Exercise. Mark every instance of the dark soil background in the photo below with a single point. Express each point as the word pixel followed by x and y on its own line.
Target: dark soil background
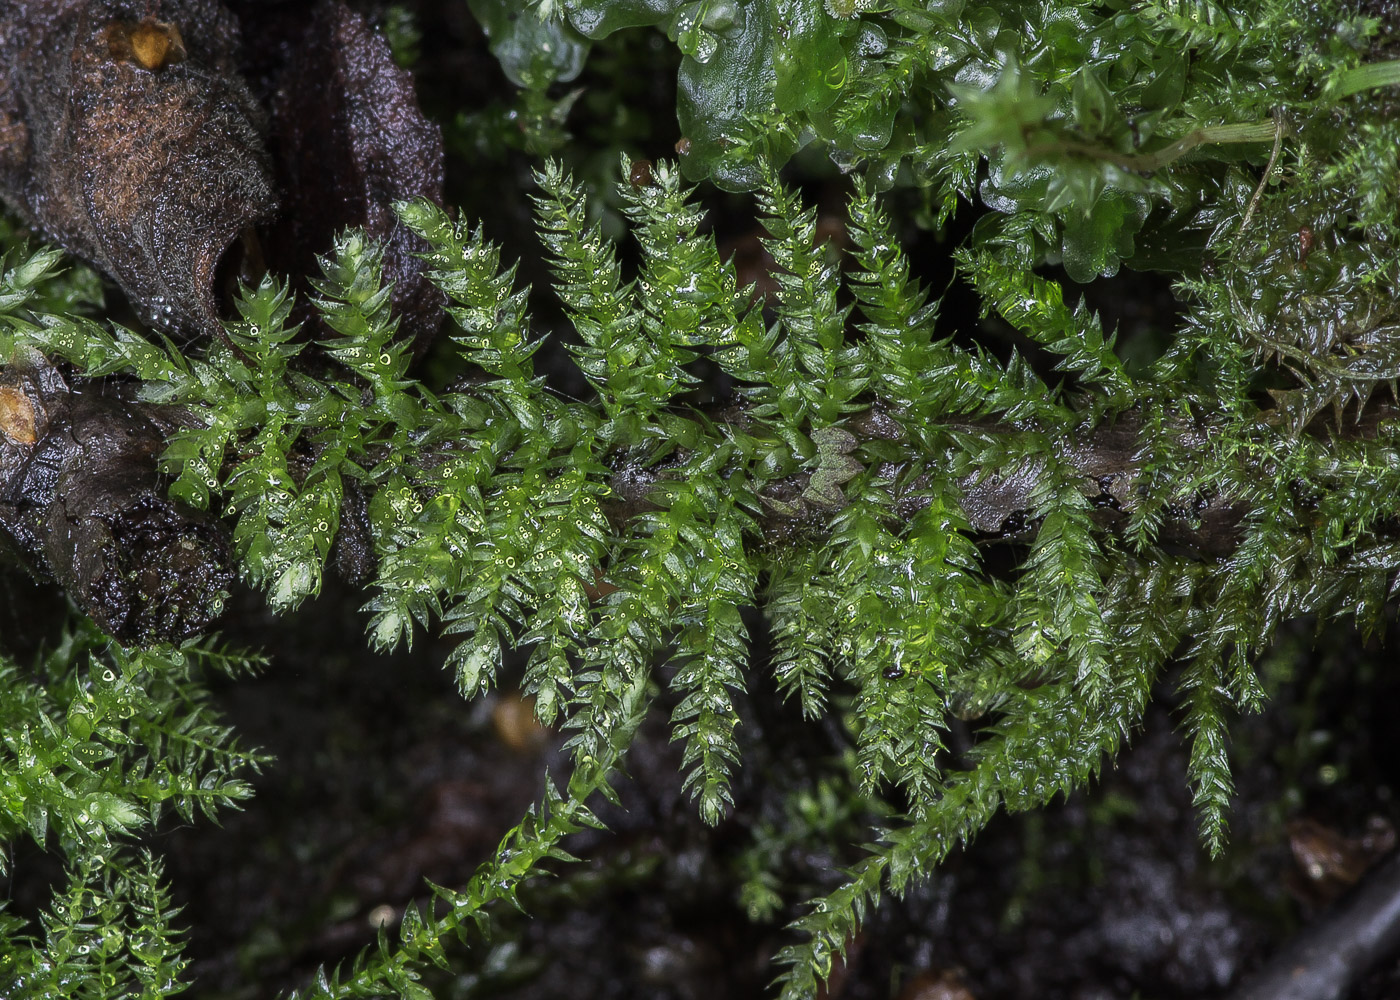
pixel 384 777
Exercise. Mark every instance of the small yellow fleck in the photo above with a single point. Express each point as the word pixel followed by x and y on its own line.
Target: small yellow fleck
pixel 151 44
pixel 17 419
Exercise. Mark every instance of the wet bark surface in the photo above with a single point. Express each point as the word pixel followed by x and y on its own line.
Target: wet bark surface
pixel 349 141
pixel 130 135
pixel 83 503
pixel 131 139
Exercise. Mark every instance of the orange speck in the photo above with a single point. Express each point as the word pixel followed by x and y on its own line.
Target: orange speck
pixel 155 43
pixel 514 719
pixel 151 44
pixel 17 416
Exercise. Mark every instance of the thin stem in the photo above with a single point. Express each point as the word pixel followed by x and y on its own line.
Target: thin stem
pixel 1268 169
pixel 518 860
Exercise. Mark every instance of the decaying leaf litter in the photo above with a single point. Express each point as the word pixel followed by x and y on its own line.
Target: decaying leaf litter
pixel 181 147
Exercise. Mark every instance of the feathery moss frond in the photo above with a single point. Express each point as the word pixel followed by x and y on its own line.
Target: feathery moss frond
pixel 934 530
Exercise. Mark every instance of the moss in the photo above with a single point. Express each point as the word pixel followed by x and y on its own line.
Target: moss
pixel 979 565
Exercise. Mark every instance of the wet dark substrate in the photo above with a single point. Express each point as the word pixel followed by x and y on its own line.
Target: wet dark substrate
pixel 385 777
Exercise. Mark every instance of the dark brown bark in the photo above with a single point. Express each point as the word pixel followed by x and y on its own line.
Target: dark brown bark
pixel 146 160
pixel 129 135
pixel 349 141
pixel 82 500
